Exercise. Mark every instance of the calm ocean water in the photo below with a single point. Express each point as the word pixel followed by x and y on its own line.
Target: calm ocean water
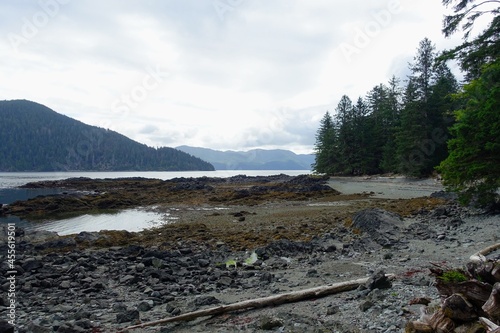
pixel 129 219
pixel 13 179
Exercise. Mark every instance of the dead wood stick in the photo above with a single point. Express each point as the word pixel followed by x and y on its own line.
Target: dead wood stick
pixel 491 326
pixel 481 255
pixel 290 297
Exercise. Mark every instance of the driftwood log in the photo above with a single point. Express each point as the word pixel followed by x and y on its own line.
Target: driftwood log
pixel 471 298
pixel 290 297
pixel 492 305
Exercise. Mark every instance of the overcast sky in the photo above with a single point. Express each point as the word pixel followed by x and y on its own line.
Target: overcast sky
pixel 221 74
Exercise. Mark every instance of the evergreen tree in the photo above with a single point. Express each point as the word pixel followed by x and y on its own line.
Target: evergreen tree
pixel 363 158
pixel 422 68
pixel 423 129
pixel 384 119
pixel 344 119
pixel 324 148
pixel 481 50
pixel 473 165
pixel 411 133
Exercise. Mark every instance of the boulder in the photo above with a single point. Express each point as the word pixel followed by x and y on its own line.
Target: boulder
pixel 381 226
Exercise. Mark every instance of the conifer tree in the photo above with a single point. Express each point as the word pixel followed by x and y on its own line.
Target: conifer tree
pixel 325 147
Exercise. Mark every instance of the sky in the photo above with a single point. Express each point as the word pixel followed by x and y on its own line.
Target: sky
pixel 219 74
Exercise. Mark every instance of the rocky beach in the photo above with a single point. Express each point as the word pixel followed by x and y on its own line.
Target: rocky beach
pixel 236 239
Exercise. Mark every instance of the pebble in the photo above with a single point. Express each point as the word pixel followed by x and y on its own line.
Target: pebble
pixel 109 289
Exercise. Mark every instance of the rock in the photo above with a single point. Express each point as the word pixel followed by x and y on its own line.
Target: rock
pixel 67 328
pixel 365 305
pixel 35 328
pixel 382 226
pixel 57 244
pixel 378 281
pixel 205 300
pixel 332 309
pixel 5 327
pixel 128 279
pixel 269 323
pixel 139 267
pixel 85 236
pixel 445 195
pixel 119 307
pixel 145 305
pixel 32 264
pixel 312 273
pixel 127 316
pixel 65 285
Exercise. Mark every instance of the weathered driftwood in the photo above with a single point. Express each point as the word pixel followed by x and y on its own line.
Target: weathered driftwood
pixel 492 305
pixel 466 301
pixel 480 256
pixel 418 327
pixel 474 291
pixel 485 271
pixel 491 326
pixel 266 301
pixel 440 322
pixel 457 307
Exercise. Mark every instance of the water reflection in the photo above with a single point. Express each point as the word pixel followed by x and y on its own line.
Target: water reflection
pixel 129 219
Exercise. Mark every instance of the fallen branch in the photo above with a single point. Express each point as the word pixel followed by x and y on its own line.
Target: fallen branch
pixel 481 255
pixel 265 301
pixel 491 326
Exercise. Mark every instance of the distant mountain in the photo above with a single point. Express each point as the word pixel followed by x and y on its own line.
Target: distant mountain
pixel 256 159
pixel 36 138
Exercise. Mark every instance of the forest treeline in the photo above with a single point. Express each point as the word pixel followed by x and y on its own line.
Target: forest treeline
pixel 428 122
pixel 392 129
pixel 36 138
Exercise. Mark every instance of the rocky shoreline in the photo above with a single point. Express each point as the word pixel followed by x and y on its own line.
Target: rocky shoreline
pixel 259 246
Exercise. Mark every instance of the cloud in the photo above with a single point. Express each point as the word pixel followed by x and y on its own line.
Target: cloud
pixel 245 75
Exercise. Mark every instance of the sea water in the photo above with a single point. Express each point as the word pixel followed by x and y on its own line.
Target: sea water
pixel 128 219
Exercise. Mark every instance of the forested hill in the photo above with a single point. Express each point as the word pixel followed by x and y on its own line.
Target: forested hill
pixel 255 159
pixel 36 138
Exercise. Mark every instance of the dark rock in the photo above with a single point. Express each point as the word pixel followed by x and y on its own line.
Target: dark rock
pixel 35 328
pixel 127 316
pixel 85 236
pixel 445 195
pixel 32 264
pixel 378 281
pixel 84 323
pixel 5 327
pixel 145 305
pixel 332 309
pixel 382 226
pixel 312 273
pixel 270 323
pixel 203 262
pixel 205 300
pixel 66 328
pixel 57 244
pixel 365 305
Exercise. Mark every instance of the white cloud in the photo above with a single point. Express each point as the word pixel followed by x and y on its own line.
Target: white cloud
pixel 259 74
